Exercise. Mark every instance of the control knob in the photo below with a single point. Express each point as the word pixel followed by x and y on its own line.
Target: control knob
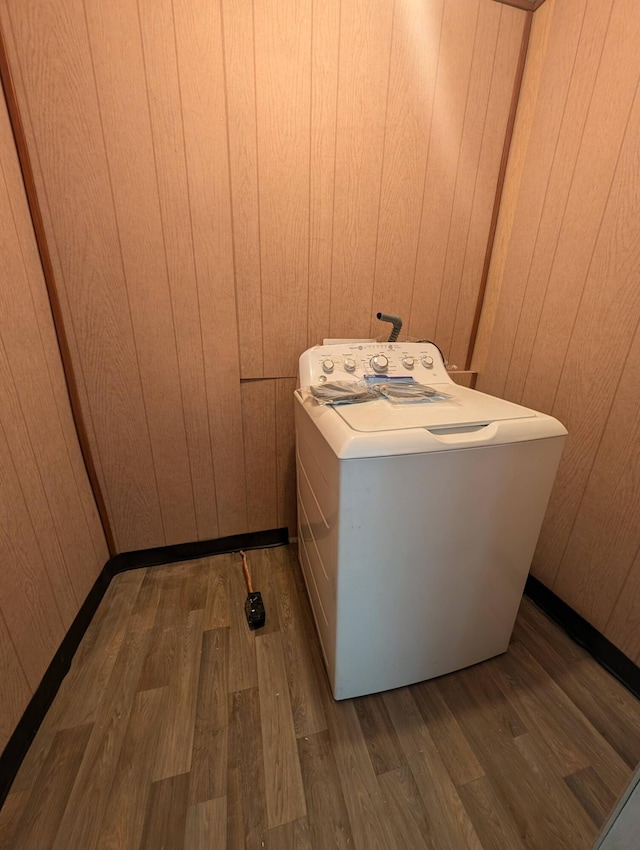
pixel 427 362
pixel 327 365
pixel 349 365
pixel 408 362
pixel 379 363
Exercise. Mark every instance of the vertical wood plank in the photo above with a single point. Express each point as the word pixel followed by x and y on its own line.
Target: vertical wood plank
pixel 454 749
pixel 82 567
pixel 379 733
pixel 587 58
pixel 240 80
pixel 290 836
pixel 623 624
pixel 52 542
pixel 404 805
pixel 527 103
pixel 357 779
pixel 459 24
pixel 283 70
pixel 32 475
pixel 592 794
pixel 10 815
pixel 167 126
pixel 580 826
pixel 609 300
pixel 40 821
pixel 69 694
pixel 490 817
pixel 216 614
pixel 325 46
pixel 415 51
pixel 118 65
pixel 175 748
pixel 124 815
pixel 483 58
pixel 51 46
pixel 166 816
pixel 15 692
pixel 610 106
pixel 198 33
pixel 363 82
pixel 283 782
pixel 208 775
pixel 481 73
pixel 206 825
pixel 41 299
pixel 75 540
pixel 247 813
pixel 285 455
pixel 82 819
pixel 26 597
pixel 93 672
pixel 557 65
pixel 434 783
pixel 604 541
pixel 259 432
pixel 305 672
pixel 328 819
pixel 485 181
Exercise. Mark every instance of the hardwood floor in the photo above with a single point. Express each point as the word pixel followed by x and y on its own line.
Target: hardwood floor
pixel 177 727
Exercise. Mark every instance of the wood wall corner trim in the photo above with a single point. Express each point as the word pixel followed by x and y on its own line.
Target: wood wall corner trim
pixel 517 86
pixel 525 5
pixel 38 227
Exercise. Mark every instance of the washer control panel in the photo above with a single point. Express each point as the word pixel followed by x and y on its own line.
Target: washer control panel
pixel 421 361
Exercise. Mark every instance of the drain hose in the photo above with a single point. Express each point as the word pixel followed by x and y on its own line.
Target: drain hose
pixel 396 321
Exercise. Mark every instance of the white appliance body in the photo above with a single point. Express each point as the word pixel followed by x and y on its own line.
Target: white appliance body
pixel 417 523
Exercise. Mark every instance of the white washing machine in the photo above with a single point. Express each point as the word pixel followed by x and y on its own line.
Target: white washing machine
pixel 417 522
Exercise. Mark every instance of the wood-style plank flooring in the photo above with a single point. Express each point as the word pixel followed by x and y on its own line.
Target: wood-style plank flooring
pixel 177 728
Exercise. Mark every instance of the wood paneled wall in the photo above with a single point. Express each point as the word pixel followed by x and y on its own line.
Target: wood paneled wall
pixel 52 547
pixel 225 183
pixel 560 327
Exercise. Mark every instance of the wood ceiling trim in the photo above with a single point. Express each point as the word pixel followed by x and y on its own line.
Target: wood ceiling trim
pixel 527 5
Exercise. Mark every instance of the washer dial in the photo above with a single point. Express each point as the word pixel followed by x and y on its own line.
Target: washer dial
pixel 327 365
pixel 379 363
pixel 408 362
pixel 349 364
pixel 427 362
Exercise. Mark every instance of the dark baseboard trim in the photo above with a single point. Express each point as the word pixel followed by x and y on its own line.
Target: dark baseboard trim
pixel 583 633
pixel 40 702
pixel 24 733
pixel 198 549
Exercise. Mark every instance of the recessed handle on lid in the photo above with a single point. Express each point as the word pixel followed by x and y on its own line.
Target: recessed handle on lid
pixel 478 433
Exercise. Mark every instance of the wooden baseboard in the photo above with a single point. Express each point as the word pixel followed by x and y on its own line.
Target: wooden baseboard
pixel 24 733
pixel 586 635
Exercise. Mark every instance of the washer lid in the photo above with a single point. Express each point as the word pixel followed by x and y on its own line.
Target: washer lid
pixel 467 407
